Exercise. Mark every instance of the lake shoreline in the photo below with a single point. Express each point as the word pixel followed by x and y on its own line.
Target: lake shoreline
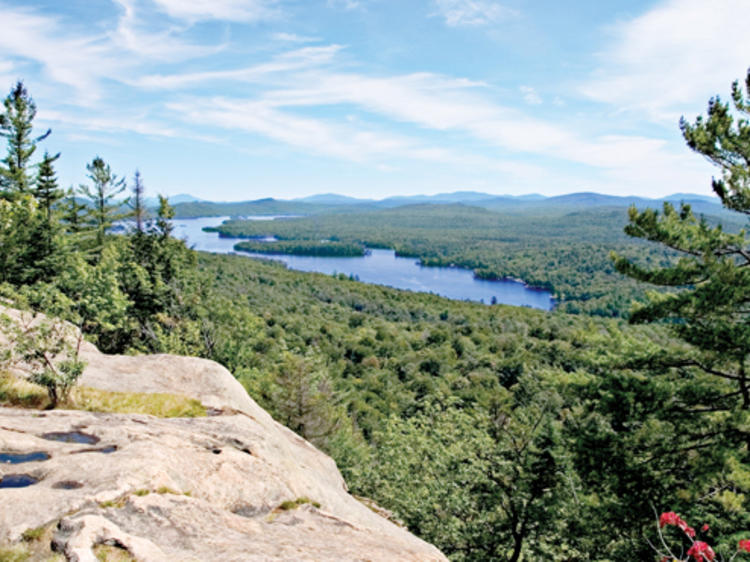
pixel 377 266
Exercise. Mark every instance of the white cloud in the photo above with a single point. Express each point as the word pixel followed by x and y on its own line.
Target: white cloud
pixel 447 104
pixel 132 35
pixel 298 59
pixel 115 124
pixel 134 123
pixel 524 145
pixel 76 61
pixel 343 140
pixel 670 60
pixel 473 12
pixel 429 101
pixel 530 95
pixel 314 135
pixel 227 10
pixel 293 38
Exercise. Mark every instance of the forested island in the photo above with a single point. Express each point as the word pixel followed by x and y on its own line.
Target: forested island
pixel 323 248
pixel 495 433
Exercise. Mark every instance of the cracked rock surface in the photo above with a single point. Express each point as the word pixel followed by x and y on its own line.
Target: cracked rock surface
pixel 186 489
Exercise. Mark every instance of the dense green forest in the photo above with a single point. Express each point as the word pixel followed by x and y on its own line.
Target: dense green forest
pixel 496 433
pixel 321 248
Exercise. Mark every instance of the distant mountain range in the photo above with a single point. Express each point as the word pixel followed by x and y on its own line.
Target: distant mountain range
pixel 397 201
pixel 189 206
pixel 173 200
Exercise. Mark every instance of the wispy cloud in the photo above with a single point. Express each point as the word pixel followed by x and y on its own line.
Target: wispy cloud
pixel 312 135
pixel 669 60
pixel 133 35
pixel 227 10
pixel 530 95
pixel 357 142
pixel 442 103
pixel 75 61
pixel 428 101
pixel 293 38
pixel 299 59
pixel 82 60
pixel 473 12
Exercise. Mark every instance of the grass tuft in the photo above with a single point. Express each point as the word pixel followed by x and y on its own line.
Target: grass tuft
pixel 35 545
pixel 159 405
pixel 118 503
pixel 294 504
pixel 109 553
pixel 30 535
pixel 16 553
pixel 17 392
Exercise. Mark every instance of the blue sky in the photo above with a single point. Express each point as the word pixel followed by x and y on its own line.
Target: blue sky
pixel 242 99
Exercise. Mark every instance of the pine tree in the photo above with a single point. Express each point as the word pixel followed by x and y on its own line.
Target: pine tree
pixel 16 125
pixel 138 204
pixel 47 194
pixel 74 213
pixel 164 215
pixel 709 306
pixel 106 186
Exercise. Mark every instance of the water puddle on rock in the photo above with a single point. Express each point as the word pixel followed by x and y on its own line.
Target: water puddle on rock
pixel 18 458
pixel 17 481
pixel 106 450
pixel 71 437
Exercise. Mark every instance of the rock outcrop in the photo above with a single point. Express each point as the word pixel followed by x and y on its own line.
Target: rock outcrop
pixel 232 486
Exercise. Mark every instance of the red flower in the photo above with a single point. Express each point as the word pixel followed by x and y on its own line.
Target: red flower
pixel 705 527
pixel 701 552
pixel 744 545
pixel 689 531
pixel 669 518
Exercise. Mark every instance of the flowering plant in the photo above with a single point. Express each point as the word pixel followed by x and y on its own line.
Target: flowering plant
pixel 699 551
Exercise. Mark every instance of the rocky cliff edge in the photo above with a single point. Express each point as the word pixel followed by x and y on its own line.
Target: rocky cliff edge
pixel 232 486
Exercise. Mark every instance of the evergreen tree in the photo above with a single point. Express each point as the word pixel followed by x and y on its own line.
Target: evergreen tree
pixel 163 217
pixel 19 223
pixel 16 125
pixel 138 204
pixel 304 399
pixel 106 186
pixel 73 213
pixel 709 305
pixel 47 195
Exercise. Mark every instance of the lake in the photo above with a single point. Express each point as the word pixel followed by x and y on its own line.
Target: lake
pixel 380 267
